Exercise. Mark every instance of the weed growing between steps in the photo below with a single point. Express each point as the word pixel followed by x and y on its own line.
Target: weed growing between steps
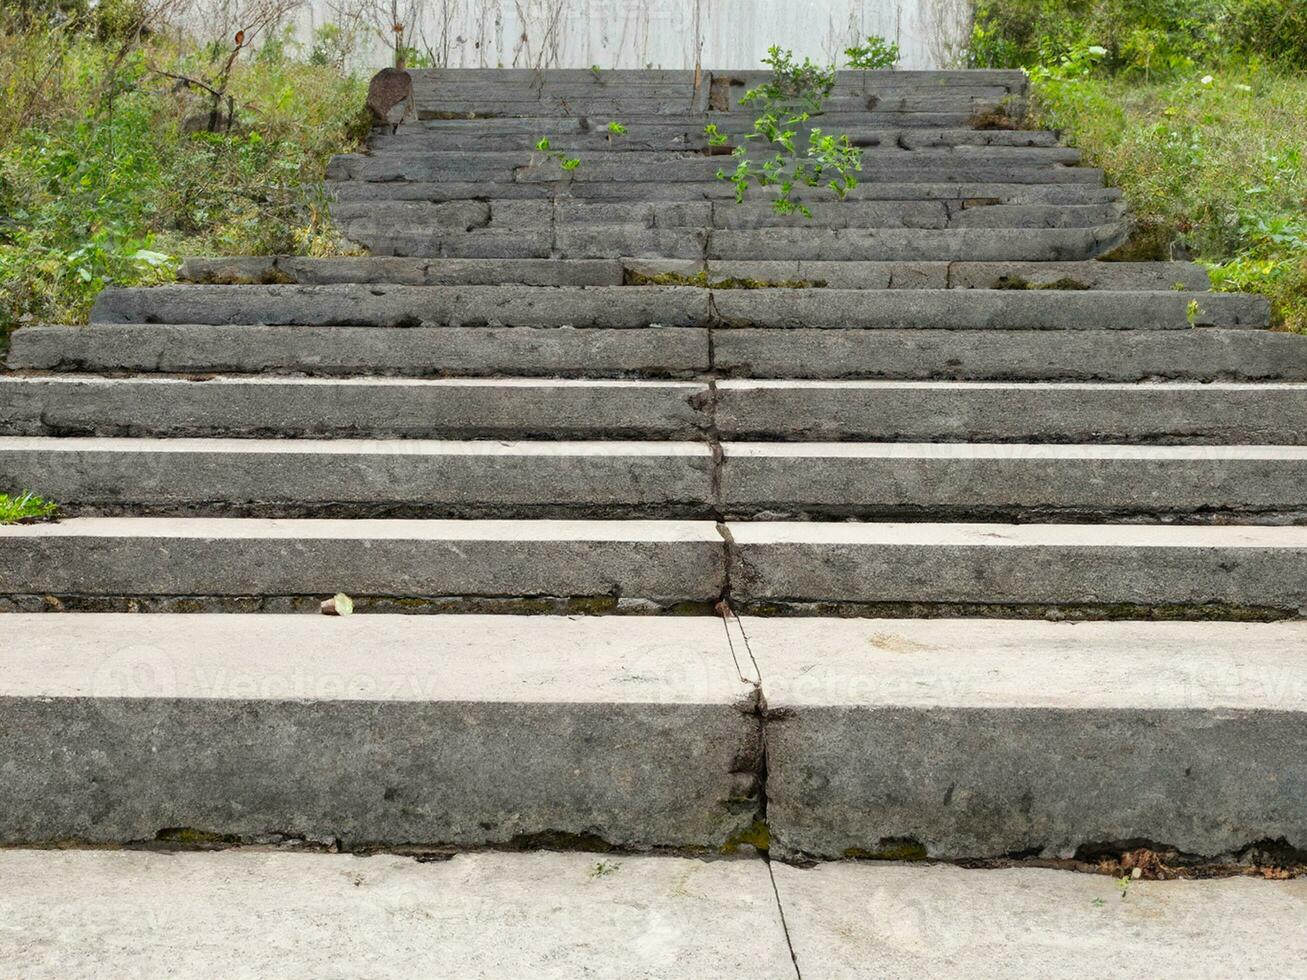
pixel 26 508
pixel 109 167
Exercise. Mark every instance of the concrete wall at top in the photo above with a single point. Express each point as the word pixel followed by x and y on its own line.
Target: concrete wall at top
pixel 653 33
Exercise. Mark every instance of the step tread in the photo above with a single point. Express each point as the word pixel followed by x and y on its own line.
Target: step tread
pixel 1002 536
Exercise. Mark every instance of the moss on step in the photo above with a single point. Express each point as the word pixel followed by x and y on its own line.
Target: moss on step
pixel 702 280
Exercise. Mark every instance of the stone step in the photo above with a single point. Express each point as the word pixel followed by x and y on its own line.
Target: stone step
pixel 988 355
pixel 627 307
pixel 333 408
pixel 109 563
pixel 988 481
pixel 437 79
pixel 366 478
pixel 559 915
pixel 1215 413
pixel 615 272
pixel 571 134
pixel 970 739
pixel 668 352
pixel 607 479
pixel 661 352
pixel 384 730
pixel 1110 570
pixel 578 241
pixel 365 221
pixel 900 166
pixel 712 190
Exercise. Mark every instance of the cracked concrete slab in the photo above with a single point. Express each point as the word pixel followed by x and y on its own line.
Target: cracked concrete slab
pixel 486 915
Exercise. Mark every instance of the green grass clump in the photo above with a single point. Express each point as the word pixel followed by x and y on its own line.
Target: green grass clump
pixel 1213 166
pixel 108 174
pixel 26 508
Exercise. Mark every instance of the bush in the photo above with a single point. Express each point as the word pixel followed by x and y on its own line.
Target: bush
pixel 107 174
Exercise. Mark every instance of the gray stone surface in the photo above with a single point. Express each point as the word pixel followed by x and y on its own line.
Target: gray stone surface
pixel 375 730
pixel 950 411
pixel 1037 565
pixel 413 272
pixel 664 562
pixel 912 244
pixel 986 481
pixel 891 920
pixel 411 351
pixel 351 407
pixel 544 915
pixel 987 309
pixel 1092 275
pixel 988 738
pixel 405 306
pixel 357 477
pixel 1010 355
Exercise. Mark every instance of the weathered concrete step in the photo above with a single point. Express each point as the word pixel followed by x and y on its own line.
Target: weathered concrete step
pixel 992 739
pixel 411 564
pixel 614 272
pixel 917 166
pixel 566 133
pixel 385 730
pixel 950 411
pixel 712 190
pixel 561 915
pixel 364 478
pixel 997 481
pixel 354 407
pixel 362 221
pixel 436 79
pixel 579 241
pixel 661 352
pixel 1108 570
pixel 1008 355
pixel 677 306
pixel 980 107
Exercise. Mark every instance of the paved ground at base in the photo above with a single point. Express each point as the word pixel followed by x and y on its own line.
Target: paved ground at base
pixel 261 913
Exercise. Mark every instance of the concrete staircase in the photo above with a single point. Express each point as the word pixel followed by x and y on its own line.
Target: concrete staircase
pixel 616 391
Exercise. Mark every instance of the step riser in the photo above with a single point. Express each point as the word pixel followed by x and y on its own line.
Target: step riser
pixel 505 485
pixel 1101 580
pixel 640 306
pixel 1159 415
pixel 671 352
pixel 614 272
pixel 568 135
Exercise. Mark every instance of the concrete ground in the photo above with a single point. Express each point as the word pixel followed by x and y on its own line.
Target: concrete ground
pixel 266 913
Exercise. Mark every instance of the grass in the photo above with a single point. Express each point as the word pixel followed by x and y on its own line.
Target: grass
pixel 1213 165
pixel 26 508
pixel 104 178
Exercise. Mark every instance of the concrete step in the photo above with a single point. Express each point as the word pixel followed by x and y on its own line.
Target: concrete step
pixel 1008 355
pixel 562 915
pixel 244 270
pixel 355 407
pixel 606 479
pixel 987 481
pixel 1099 570
pixel 677 306
pixel 190 564
pixel 662 352
pixel 924 166
pixel 1214 413
pixel 996 739
pixel 364 220
pixel 365 478
pixel 794 410
pixel 383 730
pixel 711 190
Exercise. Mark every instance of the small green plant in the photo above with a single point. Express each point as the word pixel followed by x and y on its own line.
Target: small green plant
pixel 567 163
pixel 26 508
pixel 1191 312
pixel 615 128
pixel 785 104
pixel 603 869
pixel 876 53
pixel 1123 884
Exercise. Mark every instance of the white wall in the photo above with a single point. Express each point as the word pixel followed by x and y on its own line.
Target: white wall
pixel 657 33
